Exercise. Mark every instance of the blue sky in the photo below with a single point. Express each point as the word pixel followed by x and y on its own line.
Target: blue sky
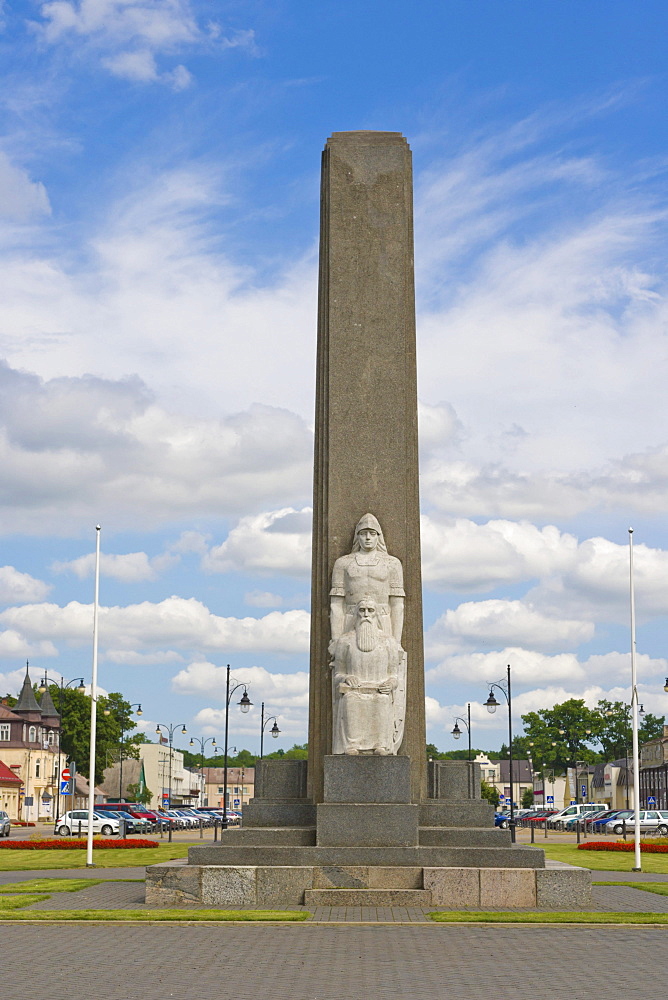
pixel 159 173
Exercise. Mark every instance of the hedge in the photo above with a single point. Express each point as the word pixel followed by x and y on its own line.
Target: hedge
pixel 620 845
pixel 75 844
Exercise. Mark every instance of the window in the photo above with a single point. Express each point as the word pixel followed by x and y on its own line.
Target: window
pixel 51 738
pixel 32 734
pixel 221 790
pixel 38 767
pixel 5 731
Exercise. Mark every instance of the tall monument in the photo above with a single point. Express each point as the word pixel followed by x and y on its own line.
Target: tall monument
pixel 366 447
pixel 366 820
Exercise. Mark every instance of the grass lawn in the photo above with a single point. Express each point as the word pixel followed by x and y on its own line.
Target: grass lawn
pixel 467 917
pixel 29 860
pixel 50 885
pixel 660 888
pixel 293 916
pixel 16 902
pixel 610 861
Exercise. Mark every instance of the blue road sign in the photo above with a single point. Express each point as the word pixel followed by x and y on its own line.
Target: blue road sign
pixel 550 798
pixel 651 801
pixel 236 803
pixel 65 788
pixel 583 790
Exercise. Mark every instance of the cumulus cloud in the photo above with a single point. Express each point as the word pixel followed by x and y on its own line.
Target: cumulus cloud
pixel 499 622
pixel 17 587
pixel 277 541
pixel 21 199
pixel 14 645
pixel 72 445
pixel 127 35
pixel 173 623
pixel 531 667
pixel 263 599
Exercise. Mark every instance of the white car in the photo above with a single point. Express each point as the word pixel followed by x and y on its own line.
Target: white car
pixel 77 820
pixel 650 819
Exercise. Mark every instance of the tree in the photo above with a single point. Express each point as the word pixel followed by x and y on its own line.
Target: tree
pixel 490 793
pixel 616 730
pixel 527 799
pixel 140 795
pixel 112 729
pixel 562 735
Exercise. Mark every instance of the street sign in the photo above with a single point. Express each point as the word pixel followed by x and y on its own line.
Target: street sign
pixel 65 788
pixel 583 790
pixel 66 774
pixel 651 801
pixel 502 798
pixel 236 803
pixel 550 798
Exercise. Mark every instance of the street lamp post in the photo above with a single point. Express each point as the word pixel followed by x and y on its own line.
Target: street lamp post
pixel 202 743
pixel 171 730
pixel 81 688
pixel 244 704
pixel 456 732
pixel 275 731
pixel 491 705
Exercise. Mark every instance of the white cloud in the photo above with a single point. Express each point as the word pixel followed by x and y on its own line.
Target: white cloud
pixel 500 622
pixel 174 623
pixel 263 599
pixel 129 568
pixel 277 541
pixel 21 198
pixel 13 645
pixel 463 555
pixel 72 445
pixel 531 667
pixel 18 588
pixel 133 32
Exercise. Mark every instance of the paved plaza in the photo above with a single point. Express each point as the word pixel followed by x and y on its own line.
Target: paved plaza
pixel 316 962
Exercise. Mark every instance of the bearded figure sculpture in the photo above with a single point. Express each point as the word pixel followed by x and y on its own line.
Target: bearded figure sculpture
pixel 369 664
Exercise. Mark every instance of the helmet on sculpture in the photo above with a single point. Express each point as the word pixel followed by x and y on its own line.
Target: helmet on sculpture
pixel 369 522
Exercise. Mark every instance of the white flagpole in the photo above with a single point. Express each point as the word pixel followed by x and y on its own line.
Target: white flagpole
pixel 93 708
pixel 634 716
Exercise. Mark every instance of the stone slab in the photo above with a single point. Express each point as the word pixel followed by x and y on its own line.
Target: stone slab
pixel 367 877
pixel 395 878
pixel 280 779
pixel 367 779
pixel 507 887
pixel 462 813
pixel 367 897
pixel 563 888
pixel 437 836
pixel 274 813
pixel 423 857
pixel 228 886
pixel 263 835
pixel 454 887
pixel 340 824
pixel 282 886
pixel 453 779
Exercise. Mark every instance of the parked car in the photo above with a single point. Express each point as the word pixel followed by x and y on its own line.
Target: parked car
pixel 500 820
pixel 5 824
pixel 580 809
pixel 650 819
pixel 136 811
pixel 77 819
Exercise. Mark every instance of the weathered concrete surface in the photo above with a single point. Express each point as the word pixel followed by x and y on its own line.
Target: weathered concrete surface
pixel 507 887
pixel 366 779
pixel 430 857
pixel 563 888
pixel 462 813
pixel 342 824
pixel 366 457
pixel 453 887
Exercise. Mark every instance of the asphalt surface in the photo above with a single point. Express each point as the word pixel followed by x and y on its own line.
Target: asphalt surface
pixel 316 962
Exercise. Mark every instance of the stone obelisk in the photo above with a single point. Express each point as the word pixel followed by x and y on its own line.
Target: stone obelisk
pixel 366 447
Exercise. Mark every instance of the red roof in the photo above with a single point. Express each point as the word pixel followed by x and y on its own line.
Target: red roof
pixel 8 777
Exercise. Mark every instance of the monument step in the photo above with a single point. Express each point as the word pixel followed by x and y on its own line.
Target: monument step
pixel 422 857
pixel 448 836
pixel 367 897
pixel 259 836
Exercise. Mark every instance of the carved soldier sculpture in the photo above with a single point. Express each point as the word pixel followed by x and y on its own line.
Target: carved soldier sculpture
pixel 369 665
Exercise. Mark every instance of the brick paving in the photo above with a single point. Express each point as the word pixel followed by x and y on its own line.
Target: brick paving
pixel 307 962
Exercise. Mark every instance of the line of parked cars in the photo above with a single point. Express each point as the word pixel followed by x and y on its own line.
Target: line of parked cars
pixel 595 819
pixel 109 816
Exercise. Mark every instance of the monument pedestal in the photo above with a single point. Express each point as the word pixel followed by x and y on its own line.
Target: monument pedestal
pixel 367 847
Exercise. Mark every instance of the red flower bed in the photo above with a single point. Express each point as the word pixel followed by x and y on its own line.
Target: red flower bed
pixel 68 844
pixel 620 845
pixel 21 822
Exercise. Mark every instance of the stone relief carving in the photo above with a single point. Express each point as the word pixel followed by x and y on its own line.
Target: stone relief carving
pixel 369 664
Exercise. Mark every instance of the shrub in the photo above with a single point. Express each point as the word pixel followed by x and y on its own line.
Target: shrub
pixel 72 844
pixel 623 845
